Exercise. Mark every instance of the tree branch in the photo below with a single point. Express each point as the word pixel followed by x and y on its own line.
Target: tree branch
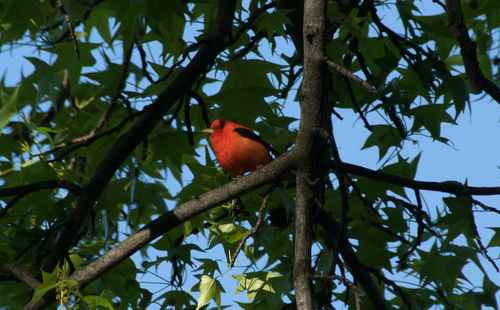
pixel 478 82
pixel 467 46
pixel 18 272
pixel 71 28
pixel 351 76
pixel 451 187
pixel 170 220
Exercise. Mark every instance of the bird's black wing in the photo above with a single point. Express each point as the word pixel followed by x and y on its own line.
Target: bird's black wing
pixel 251 135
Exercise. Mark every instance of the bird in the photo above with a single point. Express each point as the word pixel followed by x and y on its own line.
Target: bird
pixel 238 149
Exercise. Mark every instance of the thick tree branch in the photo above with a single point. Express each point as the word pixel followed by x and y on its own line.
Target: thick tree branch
pixel 478 82
pixel 131 139
pixel 312 149
pixel 467 46
pixel 177 216
pixel 18 272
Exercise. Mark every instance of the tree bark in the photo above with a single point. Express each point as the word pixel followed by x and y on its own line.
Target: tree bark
pixel 312 149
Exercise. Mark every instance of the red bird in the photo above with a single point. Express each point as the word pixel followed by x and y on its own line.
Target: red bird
pixel 238 149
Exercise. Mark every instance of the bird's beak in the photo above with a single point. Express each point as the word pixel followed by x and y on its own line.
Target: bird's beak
pixel 207 130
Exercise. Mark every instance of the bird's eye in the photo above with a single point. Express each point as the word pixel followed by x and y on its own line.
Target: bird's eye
pixel 219 126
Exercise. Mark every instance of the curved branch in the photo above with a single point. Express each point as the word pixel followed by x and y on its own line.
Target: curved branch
pixel 180 214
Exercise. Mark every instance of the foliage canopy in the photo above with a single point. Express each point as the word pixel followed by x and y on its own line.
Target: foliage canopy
pixel 94 140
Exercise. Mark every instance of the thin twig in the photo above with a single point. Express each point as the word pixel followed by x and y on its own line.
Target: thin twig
pixel 485 252
pixel 88 139
pixel 23 190
pixel 348 74
pixel 420 230
pixel 103 122
pixel 485 207
pixel 171 70
pixel 337 114
pixel 413 210
pixel 254 229
pixel 386 230
pixel 187 120
pixel 344 194
pixel 41 185
pixel 70 27
pixel 253 41
pixel 291 78
pixel 355 104
pixel 43 236
pixel 144 63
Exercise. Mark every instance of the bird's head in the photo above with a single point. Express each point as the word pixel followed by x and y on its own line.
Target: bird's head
pixel 217 127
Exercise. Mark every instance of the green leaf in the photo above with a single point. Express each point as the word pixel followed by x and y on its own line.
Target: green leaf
pixel 383 137
pixel 443 269
pixel 95 301
pixel 178 299
pixel 458 89
pixel 99 18
pixel 8 106
pixel 430 117
pixel 67 59
pixel 43 288
pixel 248 81
pixel 209 289
pixel 495 240
pixel 253 282
pixel 209 266
pixel 273 22
pixel 45 77
pixel 460 220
